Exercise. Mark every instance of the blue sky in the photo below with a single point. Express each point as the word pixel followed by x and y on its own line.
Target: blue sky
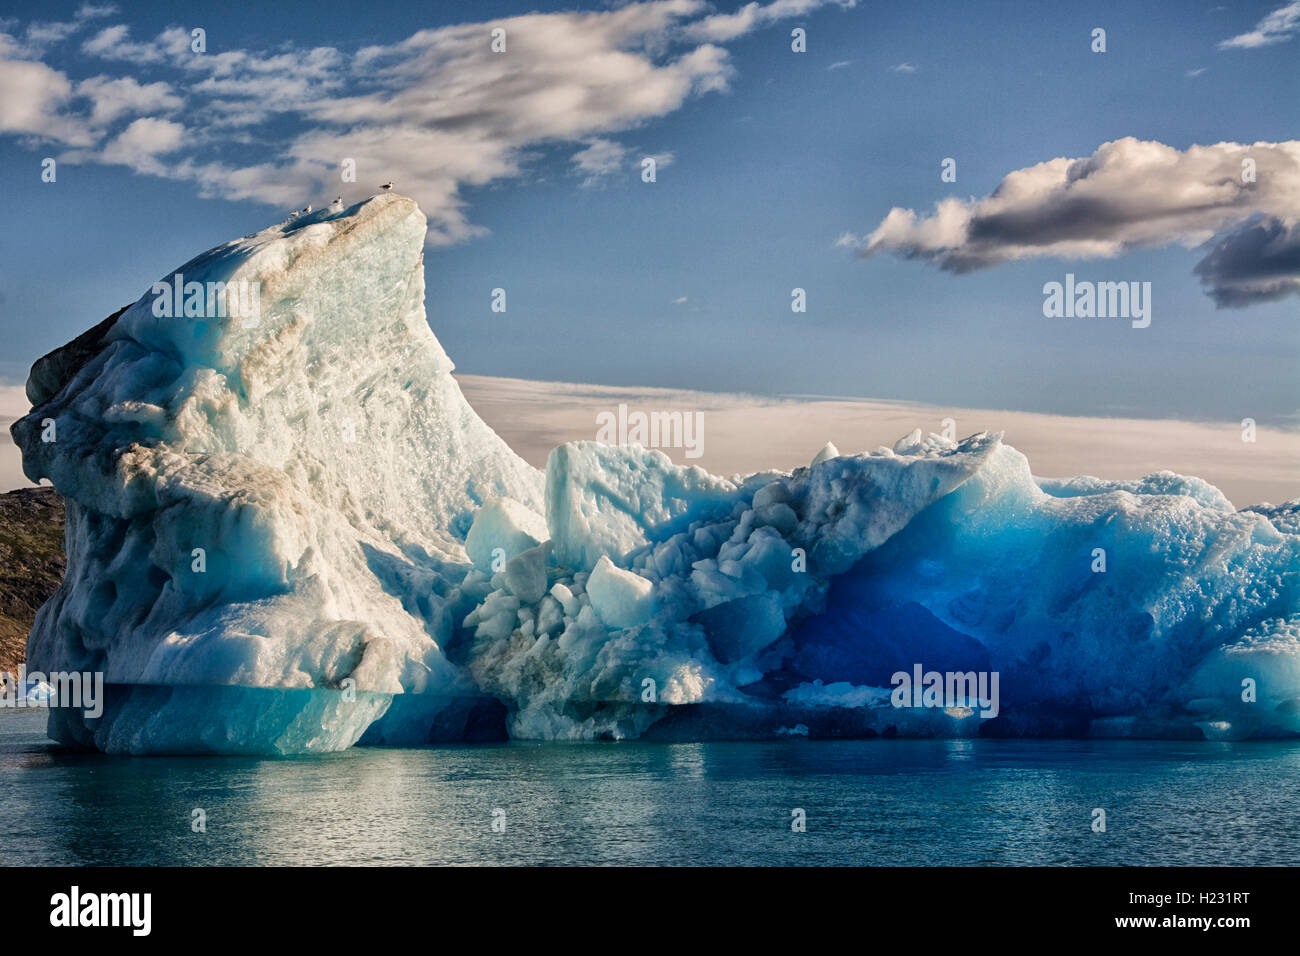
pixel 686 282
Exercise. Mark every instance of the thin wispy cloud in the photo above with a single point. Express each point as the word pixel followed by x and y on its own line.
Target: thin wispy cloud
pixel 598 160
pixel 903 68
pixel 661 159
pixel 1278 27
pixel 722 27
pixel 749 433
pixel 39 35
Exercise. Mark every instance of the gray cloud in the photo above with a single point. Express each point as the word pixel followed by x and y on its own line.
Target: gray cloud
pixel 1130 194
pixel 1259 262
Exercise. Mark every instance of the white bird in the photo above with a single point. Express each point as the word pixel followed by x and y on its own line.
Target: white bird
pixel 386 186
pixel 337 204
pixel 293 215
pixel 307 210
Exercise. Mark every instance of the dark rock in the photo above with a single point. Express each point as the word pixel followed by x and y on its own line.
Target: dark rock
pixel 55 369
pixel 31 564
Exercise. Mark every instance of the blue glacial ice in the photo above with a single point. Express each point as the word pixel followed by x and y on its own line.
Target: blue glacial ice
pixel 293 534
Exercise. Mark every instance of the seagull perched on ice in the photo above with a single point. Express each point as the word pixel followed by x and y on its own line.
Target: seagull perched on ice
pixel 293 215
pixel 386 186
pixel 307 210
pixel 337 204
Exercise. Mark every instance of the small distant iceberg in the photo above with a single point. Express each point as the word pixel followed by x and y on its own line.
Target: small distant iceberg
pixel 25 693
pixel 291 534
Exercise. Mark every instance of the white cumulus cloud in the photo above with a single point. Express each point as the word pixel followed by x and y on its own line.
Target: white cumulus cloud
pixel 437 112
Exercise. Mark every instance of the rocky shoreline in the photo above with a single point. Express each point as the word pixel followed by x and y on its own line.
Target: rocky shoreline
pixel 31 564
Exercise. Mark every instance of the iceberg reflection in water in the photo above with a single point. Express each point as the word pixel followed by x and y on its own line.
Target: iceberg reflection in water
pixel 880 802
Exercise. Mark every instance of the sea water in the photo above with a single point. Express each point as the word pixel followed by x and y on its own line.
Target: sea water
pixel 875 802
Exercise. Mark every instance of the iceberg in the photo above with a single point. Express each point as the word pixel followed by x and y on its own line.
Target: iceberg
pixel 278 503
pixel 288 532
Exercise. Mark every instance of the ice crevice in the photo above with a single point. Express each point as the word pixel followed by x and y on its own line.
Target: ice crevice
pixel 293 535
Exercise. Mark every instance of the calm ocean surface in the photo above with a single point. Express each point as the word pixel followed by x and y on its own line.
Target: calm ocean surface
pixel 881 802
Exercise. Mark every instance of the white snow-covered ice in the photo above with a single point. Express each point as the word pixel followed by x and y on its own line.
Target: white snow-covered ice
pixel 293 534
